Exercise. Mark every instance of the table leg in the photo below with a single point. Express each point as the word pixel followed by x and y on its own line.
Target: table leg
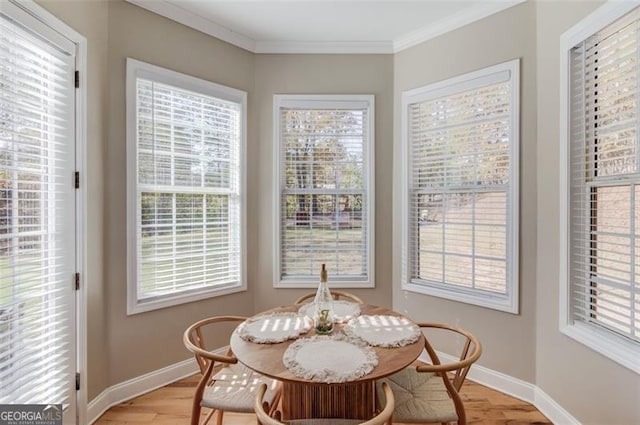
pixel 348 401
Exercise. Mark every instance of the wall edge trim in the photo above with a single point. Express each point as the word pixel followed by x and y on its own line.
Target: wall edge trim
pixel 499 381
pixel 517 388
pixel 142 384
pixel 552 410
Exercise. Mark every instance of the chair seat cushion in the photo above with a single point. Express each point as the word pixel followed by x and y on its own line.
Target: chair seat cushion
pixel 234 389
pixel 419 397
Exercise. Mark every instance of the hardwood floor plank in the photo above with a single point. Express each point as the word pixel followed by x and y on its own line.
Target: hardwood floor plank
pixel 171 405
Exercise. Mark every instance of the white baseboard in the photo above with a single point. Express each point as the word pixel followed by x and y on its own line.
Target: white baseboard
pixel 488 377
pixel 553 410
pixel 514 387
pixel 142 384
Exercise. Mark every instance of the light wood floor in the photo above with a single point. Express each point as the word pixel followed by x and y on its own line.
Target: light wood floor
pixel 171 405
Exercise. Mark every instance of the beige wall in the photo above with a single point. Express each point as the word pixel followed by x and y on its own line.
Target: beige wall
pixel 527 346
pixel 594 389
pixel 322 74
pixel 145 342
pixel 90 19
pixel 508 340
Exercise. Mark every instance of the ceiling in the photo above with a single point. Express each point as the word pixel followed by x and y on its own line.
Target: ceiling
pixel 325 26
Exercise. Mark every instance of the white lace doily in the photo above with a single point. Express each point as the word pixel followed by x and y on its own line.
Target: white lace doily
pixel 330 359
pixel 273 328
pixel 342 310
pixel 383 331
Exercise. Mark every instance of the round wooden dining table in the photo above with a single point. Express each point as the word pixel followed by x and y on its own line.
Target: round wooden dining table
pixel 305 399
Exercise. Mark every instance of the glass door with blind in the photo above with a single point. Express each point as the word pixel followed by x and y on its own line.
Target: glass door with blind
pixel 37 213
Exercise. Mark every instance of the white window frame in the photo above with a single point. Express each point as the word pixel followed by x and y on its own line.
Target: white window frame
pixel 324 101
pixel 510 302
pixel 615 347
pixel 41 16
pixel 137 69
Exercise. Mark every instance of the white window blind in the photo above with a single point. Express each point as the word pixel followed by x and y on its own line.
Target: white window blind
pixel 188 189
pixel 604 219
pixel 325 189
pixel 37 212
pixel 461 234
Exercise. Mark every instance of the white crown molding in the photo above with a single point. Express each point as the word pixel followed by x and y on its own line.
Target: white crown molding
pixel 190 19
pixel 321 47
pixel 480 11
pixel 171 11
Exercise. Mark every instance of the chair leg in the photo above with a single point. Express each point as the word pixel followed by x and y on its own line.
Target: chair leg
pixel 209 416
pixel 195 413
pixel 274 406
pixel 219 417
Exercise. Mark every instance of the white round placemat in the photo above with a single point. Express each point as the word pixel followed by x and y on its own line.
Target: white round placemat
pixel 273 328
pixel 330 359
pixel 342 310
pixel 383 331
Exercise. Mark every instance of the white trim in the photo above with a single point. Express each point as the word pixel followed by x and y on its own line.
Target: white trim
pixel 66 34
pixel 136 69
pixel 82 240
pixel 552 410
pixel 471 14
pixel 174 12
pixel 509 385
pixel 324 47
pixel 325 101
pixel 470 296
pixel 610 345
pixel 135 387
pixel 616 348
pixel 506 71
pixel 499 381
pixel 514 387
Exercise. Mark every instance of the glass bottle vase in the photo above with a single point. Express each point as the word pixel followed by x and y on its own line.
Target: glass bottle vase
pixel 323 317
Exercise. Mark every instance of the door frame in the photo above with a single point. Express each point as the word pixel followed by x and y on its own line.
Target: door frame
pixel 80 41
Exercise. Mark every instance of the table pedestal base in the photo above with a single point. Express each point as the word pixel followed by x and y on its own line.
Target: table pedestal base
pixel 348 401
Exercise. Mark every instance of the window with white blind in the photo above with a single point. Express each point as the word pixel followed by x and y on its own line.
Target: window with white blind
pixel 37 212
pixel 460 141
pixel 601 201
pixel 185 175
pixel 324 189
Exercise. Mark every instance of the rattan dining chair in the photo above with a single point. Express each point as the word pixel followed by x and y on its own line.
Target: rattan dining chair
pixel 233 387
pixel 265 417
pixel 430 393
pixel 337 295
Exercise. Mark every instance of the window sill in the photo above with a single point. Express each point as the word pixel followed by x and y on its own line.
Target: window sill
pixel 136 306
pixel 466 296
pixel 313 284
pixel 619 349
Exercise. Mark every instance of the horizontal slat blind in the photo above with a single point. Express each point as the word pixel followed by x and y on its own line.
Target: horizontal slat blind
pixel 37 218
pixel 188 150
pixel 324 193
pixel 459 177
pixel 605 184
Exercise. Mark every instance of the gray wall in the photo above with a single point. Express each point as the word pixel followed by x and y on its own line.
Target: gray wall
pixel 508 340
pixel 593 388
pixel 322 74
